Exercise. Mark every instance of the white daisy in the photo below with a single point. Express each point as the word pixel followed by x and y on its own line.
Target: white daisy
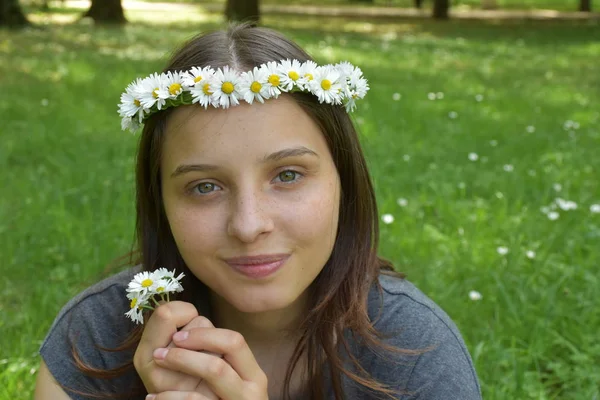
pixel 164 273
pixel 128 123
pixel 172 86
pixel 195 76
pixel 595 208
pixel 326 85
pixel 290 73
pixel 142 283
pixel 307 72
pixel 130 103
pixel 225 87
pixel 387 218
pixel 149 88
pixel 274 76
pixel 530 254
pixel 253 85
pixel 502 250
pixel 135 314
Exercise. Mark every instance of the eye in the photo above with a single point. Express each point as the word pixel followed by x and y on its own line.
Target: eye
pixel 205 188
pixel 289 176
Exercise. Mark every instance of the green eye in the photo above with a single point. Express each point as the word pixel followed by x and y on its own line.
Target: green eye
pixel 287 176
pixel 206 187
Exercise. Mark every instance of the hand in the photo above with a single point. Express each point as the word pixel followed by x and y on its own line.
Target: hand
pixel 158 333
pixel 236 376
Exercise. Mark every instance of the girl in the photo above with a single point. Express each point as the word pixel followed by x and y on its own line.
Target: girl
pixel 251 181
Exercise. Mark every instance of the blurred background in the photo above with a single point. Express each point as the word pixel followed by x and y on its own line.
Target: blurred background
pixel 481 129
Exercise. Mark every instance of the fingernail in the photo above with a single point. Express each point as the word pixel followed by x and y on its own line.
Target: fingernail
pixel 150 396
pixel 160 353
pixel 181 335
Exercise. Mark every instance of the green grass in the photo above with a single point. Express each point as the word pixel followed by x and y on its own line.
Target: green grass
pixel 67 173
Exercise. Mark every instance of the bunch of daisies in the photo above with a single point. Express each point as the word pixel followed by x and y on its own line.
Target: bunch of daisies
pixel 146 289
pixel 342 83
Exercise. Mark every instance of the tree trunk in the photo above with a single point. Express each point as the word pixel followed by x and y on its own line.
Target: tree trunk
pixel 489 4
pixel 440 9
pixel 106 11
pixel 243 11
pixel 418 4
pixel 585 5
pixel 11 14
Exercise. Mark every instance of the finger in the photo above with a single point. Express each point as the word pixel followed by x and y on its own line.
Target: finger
pixel 230 343
pixel 216 372
pixel 172 395
pixel 161 326
pixel 198 322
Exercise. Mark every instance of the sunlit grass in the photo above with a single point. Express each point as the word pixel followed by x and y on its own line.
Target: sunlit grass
pixel 471 130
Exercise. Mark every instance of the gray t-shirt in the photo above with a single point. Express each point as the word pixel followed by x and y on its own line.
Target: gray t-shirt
pixel 95 319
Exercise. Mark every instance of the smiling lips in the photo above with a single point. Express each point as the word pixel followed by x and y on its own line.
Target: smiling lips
pixel 259 266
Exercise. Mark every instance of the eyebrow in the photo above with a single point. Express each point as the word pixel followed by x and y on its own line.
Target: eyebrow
pixel 273 157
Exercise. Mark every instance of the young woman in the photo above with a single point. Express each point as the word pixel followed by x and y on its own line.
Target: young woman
pixel 252 182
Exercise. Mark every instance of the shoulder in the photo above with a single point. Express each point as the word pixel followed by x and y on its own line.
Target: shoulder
pixel 89 324
pixel 436 361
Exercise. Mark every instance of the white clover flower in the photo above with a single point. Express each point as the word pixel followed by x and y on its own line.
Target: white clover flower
pixel 406 157
pixel 439 95
pixel 530 254
pixel 387 218
pixel 473 156
pixel 557 187
pixel 402 202
pixel 566 205
pixel 197 76
pixel 273 82
pixel 530 129
pixel 478 98
pixel 502 250
pixel 453 115
pixel 224 86
pixel 326 85
pixel 508 167
pixel 148 91
pixel 173 85
pixel 253 85
pixel 493 143
pixel 475 295
pixel 396 96
pixel 595 208
pixel 553 215
pixel 431 96
pixel 291 74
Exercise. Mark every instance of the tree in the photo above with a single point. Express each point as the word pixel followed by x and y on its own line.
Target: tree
pixel 418 4
pixel 11 14
pixel 441 9
pixel 106 11
pixel 243 11
pixel 585 5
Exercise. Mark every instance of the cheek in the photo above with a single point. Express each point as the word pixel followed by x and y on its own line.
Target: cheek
pixel 192 230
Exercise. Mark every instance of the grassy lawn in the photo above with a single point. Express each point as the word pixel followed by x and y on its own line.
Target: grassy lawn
pixel 473 131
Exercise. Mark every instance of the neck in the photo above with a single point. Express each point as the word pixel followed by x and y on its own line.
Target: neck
pixel 263 329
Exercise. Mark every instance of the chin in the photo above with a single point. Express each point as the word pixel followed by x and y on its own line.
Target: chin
pixel 261 301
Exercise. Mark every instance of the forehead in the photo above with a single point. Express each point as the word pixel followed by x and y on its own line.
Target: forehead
pixel 245 129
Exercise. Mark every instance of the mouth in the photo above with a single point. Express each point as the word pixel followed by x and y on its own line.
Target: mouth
pixel 257 267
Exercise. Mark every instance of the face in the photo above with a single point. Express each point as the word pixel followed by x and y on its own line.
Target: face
pixel 250 180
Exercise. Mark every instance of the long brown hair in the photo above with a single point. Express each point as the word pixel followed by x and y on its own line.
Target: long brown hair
pixel 339 294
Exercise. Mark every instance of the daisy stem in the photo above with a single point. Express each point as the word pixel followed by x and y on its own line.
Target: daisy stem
pixel 155 301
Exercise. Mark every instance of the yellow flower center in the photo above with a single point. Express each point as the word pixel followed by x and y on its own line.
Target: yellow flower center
pixel 326 84
pixel 255 87
pixel 227 87
pixel 155 93
pixel 174 88
pixel 197 79
pixel 293 75
pixel 133 302
pixel 160 289
pixel 147 283
pixel 308 76
pixel 206 89
pixel 274 80
pixel 136 102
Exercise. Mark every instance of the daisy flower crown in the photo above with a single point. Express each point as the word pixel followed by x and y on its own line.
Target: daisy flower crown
pixel 342 83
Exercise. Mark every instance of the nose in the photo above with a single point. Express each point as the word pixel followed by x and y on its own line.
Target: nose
pixel 249 216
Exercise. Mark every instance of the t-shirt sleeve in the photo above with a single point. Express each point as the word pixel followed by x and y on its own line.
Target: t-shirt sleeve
pixel 89 324
pixel 442 369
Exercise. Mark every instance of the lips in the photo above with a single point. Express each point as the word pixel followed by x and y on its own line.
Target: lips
pixel 258 267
